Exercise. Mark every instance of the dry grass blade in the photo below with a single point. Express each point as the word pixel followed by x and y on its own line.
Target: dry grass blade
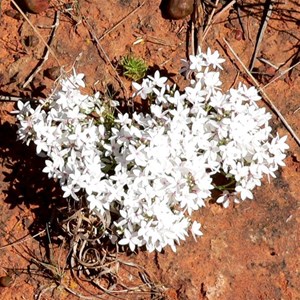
pixel 44 290
pixel 152 39
pixel 7 98
pixel 216 17
pixel 71 291
pixel 85 259
pixel 100 48
pixel 265 61
pixel 240 20
pixel 296 110
pixel 23 239
pixel 265 96
pixel 266 16
pixel 36 31
pixel 155 288
pixel 45 268
pixel 121 21
pixel 209 22
pixel 94 261
pixel 281 74
pixel 45 58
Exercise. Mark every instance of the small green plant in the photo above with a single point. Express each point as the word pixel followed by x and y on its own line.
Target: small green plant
pixel 133 67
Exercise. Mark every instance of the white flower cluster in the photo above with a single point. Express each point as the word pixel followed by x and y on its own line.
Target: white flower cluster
pixel 154 169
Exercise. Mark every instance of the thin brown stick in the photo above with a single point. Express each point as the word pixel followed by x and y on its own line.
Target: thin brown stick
pixel 268 63
pixel 100 48
pixel 240 20
pixel 71 291
pixel 296 110
pixel 265 96
pixel 36 31
pixel 194 51
pixel 45 58
pixel 209 22
pixel 120 22
pixel 5 98
pixel 216 17
pixel 192 38
pixel 151 39
pixel 22 240
pixel 280 75
pixel 235 78
pixel 262 29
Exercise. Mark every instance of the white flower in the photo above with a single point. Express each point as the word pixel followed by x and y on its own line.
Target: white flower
pixel 157 80
pixel 240 171
pixel 41 146
pixel 123 119
pixel 137 155
pixel 279 144
pixel 250 93
pixel 213 59
pixel 50 168
pixel 224 199
pixel 212 82
pixel 70 190
pixel 143 89
pixel 130 239
pixel 23 109
pixel 245 193
pixel 196 230
pixel 197 62
pixel 153 170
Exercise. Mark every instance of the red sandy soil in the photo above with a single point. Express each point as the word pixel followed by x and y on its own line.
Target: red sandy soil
pixel 249 251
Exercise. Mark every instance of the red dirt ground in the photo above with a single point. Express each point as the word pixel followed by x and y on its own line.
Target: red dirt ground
pixel 249 251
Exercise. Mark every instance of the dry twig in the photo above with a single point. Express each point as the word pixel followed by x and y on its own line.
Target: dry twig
pixel 120 22
pixel 268 63
pixel 6 98
pixel 101 50
pixel 45 58
pixel 266 16
pixel 265 96
pixel 22 240
pixel 240 20
pixel 91 262
pixel 216 17
pixel 36 31
pixel 209 22
pixel 281 74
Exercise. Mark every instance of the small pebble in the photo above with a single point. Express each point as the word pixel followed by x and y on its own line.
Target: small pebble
pixel 2 79
pixel 238 35
pixel 36 6
pixel 228 25
pixel 13 14
pixel 270 71
pixel 31 41
pixel 52 73
pixel 179 9
pixel 6 281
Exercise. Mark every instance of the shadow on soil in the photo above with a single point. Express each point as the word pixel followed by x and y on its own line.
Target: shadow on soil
pixel 28 185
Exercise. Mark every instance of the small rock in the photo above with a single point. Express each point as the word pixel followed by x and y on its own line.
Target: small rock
pixel 13 14
pixel 31 41
pixel 6 281
pixel 52 73
pixel 179 9
pixel 2 79
pixel 36 6
pixel 238 35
